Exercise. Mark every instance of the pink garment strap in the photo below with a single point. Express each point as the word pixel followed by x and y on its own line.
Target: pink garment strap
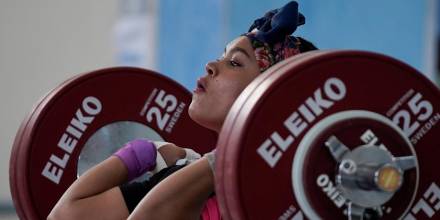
pixel 211 211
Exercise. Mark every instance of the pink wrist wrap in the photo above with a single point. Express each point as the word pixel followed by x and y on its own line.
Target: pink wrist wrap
pixel 139 156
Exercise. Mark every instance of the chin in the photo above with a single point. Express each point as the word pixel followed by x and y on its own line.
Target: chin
pixel 202 120
pixel 195 115
pixel 191 112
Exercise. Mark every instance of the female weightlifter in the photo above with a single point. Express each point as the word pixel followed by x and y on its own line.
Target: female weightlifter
pixel 184 191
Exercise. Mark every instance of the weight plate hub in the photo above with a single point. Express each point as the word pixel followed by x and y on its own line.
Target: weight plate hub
pixel 332 135
pixel 359 144
pixel 92 115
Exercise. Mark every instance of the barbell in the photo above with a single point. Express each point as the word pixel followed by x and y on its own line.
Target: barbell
pixel 322 135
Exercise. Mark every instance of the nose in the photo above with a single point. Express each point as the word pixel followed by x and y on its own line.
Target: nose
pixel 211 69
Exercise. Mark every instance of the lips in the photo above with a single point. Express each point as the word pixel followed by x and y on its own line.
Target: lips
pixel 201 86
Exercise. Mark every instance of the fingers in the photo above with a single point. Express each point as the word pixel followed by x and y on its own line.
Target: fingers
pixel 170 152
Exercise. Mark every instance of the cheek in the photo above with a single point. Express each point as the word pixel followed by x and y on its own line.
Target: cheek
pixel 215 104
pixel 235 89
pixel 230 92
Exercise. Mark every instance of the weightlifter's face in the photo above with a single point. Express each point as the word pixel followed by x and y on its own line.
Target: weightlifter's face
pixel 223 81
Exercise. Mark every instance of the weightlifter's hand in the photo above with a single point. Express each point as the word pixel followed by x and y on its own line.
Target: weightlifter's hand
pixel 170 152
pixel 142 155
pixel 138 156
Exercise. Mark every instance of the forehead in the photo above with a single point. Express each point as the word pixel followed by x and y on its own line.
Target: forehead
pixel 241 42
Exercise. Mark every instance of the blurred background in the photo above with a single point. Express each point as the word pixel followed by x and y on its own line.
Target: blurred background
pixel 43 43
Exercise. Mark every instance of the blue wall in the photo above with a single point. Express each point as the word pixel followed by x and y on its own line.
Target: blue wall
pixel 393 27
pixel 190 35
pixel 192 32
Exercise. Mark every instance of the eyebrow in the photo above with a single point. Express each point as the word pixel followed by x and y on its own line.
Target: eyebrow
pixel 238 49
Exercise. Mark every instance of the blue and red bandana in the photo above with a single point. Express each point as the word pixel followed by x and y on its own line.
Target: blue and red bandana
pixel 271 38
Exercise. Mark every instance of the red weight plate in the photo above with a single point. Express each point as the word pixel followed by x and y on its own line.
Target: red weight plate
pixel 222 153
pixel 44 159
pixel 266 124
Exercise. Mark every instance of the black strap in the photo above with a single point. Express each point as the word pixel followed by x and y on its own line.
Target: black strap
pixel 134 192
